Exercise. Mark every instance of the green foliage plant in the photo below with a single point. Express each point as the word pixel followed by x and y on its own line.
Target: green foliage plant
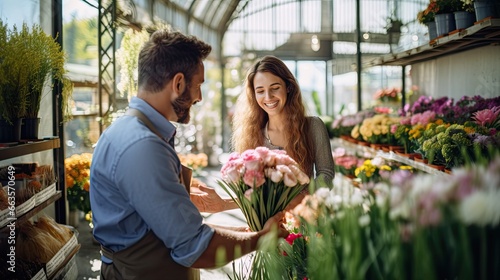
pixel 13 63
pixel 31 61
pixel 127 58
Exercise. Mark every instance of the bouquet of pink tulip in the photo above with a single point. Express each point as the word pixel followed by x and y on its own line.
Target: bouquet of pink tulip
pixel 262 182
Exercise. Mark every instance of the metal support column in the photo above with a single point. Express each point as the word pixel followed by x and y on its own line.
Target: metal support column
pixel 107 50
pixel 358 51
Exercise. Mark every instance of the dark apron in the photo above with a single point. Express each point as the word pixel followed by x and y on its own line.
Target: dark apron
pixel 149 258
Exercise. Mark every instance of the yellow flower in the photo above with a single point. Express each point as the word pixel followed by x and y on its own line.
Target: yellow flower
pixel 386 167
pixel 405 167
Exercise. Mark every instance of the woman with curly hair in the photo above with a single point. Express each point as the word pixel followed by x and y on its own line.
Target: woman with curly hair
pixel 270 113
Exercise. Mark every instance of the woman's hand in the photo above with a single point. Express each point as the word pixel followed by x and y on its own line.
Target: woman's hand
pixel 278 221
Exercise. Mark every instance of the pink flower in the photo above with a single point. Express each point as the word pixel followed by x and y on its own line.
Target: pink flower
pixel 405 121
pixel 252 160
pixel 232 171
pixel 487 117
pixel 394 127
pixel 233 156
pixel 248 194
pixel 269 158
pixel 284 159
pixel 254 178
pixel 274 174
pixel 292 236
pixel 263 151
pixel 301 176
pixel 289 178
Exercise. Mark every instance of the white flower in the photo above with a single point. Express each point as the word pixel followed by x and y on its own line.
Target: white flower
pixel 364 220
pixel 402 211
pixel 356 198
pixel 481 208
pixel 378 161
pixel 322 194
pixel 333 201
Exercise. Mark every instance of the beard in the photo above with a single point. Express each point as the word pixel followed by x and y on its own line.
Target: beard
pixel 182 106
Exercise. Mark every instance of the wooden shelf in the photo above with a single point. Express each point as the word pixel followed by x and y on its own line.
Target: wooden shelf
pixel 28 148
pixel 482 33
pixel 25 217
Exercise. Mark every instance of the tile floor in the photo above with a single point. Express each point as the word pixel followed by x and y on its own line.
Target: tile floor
pixel 88 258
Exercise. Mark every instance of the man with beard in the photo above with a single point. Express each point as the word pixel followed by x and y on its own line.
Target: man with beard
pixel 143 217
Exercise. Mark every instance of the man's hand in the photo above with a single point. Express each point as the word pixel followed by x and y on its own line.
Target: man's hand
pixel 207 199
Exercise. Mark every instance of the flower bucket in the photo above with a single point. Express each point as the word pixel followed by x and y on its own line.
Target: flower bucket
pixel 432 30
pixel 445 23
pixel 464 19
pixel 487 9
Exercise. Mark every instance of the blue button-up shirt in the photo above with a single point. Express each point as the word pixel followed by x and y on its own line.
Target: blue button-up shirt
pixel 135 187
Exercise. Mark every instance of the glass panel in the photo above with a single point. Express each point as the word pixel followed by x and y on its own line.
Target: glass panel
pixel 12 14
pixel 183 3
pixel 311 78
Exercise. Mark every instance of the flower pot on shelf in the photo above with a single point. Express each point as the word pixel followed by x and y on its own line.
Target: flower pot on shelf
pixel 10 132
pixel 432 30
pixel 396 148
pixel 362 143
pixel 486 9
pixel 421 160
pixel 445 23
pixel 403 154
pixel 378 146
pixel 437 166
pixel 29 129
pixel 464 19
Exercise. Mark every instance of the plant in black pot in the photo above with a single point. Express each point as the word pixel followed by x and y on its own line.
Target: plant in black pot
pixel 13 93
pixel 46 68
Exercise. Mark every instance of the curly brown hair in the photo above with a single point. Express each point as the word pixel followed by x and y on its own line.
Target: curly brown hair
pixel 250 119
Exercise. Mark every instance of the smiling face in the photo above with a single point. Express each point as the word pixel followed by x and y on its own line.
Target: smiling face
pixel 270 92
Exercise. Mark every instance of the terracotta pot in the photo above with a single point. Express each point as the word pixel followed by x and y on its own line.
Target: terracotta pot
pixel 397 148
pixel 362 143
pixel 417 155
pixel 403 154
pixel 345 137
pixel 422 160
pixel 437 166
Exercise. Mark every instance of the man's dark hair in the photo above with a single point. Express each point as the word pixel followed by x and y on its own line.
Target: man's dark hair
pixel 167 53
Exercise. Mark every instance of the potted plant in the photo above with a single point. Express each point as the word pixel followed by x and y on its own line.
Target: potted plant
pixel 427 17
pixel 13 94
pixel 46 67
pixel 445 19
pixel 32 61
pixel 394 29
pixel 465 17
